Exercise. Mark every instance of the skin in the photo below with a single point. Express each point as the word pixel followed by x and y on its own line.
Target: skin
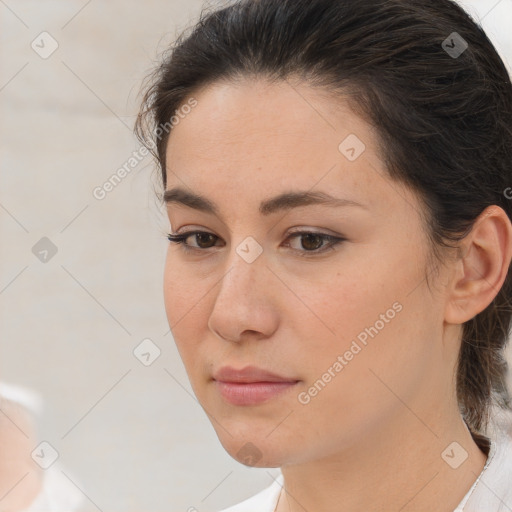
pixel 372 438
pixel 20 477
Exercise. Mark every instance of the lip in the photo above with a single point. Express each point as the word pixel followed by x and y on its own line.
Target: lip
pixel 249 374
pixel 252 393
pixel 250 385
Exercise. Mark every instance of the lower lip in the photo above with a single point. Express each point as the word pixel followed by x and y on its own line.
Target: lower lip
pixel 251 393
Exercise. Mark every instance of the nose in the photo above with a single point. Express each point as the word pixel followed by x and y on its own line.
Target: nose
pixel 245 305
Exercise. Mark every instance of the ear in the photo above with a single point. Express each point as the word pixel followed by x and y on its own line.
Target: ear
pixel 482 267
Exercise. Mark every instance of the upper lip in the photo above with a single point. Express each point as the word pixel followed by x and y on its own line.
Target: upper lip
pixel 249 374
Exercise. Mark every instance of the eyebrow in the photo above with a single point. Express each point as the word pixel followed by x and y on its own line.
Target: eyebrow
pixel 284 201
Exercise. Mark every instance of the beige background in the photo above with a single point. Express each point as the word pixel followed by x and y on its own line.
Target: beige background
pixel 131 436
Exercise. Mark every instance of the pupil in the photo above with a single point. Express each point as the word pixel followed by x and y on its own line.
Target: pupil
pixel 308 238
pixel 201 236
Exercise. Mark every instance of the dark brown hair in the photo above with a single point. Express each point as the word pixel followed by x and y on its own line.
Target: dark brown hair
pixel 444 120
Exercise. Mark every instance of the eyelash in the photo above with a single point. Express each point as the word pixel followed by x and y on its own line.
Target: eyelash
pixel 182 237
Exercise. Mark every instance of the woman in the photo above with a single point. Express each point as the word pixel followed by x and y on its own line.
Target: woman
pixel 338 280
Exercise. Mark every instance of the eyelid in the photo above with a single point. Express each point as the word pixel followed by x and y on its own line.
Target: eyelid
pixel 296 230
pixel 312 231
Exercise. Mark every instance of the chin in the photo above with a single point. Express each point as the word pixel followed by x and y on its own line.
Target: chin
pixel 254 451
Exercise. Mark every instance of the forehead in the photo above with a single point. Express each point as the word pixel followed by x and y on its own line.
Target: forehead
pixel 242 115
pixel 248 137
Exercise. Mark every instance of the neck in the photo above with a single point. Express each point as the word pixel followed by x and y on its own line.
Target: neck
pixel 399 468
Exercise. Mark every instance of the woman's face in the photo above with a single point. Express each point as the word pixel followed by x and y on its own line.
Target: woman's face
pixel 353 326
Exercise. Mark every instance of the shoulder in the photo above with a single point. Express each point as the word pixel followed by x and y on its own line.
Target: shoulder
pixel 263 501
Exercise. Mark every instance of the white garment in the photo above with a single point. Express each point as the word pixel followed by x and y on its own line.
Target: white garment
pixel 57 493
pixel 491 492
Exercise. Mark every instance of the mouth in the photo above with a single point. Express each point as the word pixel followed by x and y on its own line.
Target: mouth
pixel 252 393
pixel 250 385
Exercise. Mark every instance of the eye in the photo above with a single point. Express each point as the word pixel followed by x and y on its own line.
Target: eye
pixel 315 242
pixel 203 237
pixel 312 242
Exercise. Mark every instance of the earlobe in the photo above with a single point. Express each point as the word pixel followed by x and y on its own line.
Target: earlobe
pixel 482 268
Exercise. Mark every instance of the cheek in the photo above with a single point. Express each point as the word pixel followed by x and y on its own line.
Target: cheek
pixel 340 307
pixel 367 332
pixel 184 291
pixel 184 305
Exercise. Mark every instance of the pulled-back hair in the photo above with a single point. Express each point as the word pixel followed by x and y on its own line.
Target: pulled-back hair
pixel 444 121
